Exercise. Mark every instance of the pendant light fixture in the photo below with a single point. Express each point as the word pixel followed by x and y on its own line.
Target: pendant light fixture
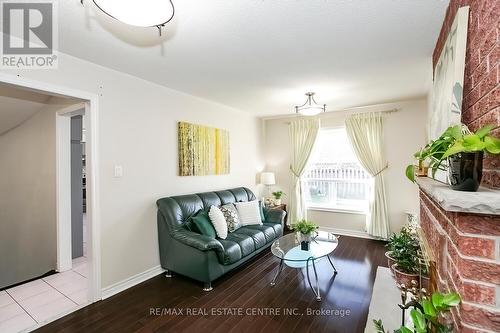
pixel 310 107
pixel 139 13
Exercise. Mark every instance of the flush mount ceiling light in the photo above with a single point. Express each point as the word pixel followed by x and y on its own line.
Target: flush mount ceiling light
pixel 139 13
pixel 310 107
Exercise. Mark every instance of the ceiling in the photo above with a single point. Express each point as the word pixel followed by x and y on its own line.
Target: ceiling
pixel 18 105
pixel 261 56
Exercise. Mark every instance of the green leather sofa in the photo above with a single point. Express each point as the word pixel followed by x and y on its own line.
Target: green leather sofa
pixel 201 257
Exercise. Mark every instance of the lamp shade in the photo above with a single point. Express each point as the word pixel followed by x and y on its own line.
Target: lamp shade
pixel 267 178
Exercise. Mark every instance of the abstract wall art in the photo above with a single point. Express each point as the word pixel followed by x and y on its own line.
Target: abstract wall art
pixel 203 150
pixel 449 77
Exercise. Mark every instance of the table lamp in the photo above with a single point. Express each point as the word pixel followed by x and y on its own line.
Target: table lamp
pixel 268 179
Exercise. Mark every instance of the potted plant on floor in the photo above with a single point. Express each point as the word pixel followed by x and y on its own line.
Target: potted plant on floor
pixel 305 231
pixel 464 152
pixel 404 251
pixel 393 245
pixel 277 197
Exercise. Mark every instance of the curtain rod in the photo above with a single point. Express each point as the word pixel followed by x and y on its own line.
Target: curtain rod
pixel 331 114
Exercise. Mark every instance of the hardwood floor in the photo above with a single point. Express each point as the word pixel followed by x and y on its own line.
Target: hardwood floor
pixel 346 297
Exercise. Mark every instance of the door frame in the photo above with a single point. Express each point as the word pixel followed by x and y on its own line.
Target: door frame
pixel 91 105
pixel 63 182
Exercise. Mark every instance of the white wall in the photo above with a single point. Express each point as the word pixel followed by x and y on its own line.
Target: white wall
pixel 404 134
pixel 138 130
pixel 27 198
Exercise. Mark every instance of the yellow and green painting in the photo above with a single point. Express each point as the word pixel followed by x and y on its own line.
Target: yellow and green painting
pixel 202 150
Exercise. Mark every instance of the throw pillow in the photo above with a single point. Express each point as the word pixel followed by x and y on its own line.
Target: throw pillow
pixel 218 221
pixel 201 222
pixel 249 212
pixel 232 218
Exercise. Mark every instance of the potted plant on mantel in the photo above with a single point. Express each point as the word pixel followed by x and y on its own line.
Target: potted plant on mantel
pixel 305 230
pixel 464 152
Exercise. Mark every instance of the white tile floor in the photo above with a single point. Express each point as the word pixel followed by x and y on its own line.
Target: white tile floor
pixel 25 307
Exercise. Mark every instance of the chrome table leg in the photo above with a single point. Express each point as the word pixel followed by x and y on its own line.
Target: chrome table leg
pixel 331 263
pixel 280 268
pixel 316 291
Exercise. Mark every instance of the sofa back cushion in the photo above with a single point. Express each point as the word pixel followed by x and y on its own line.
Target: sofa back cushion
pixel 177 210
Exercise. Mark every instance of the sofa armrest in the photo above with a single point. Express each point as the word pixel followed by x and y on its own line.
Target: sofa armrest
pixel 275 215
pixel 200 242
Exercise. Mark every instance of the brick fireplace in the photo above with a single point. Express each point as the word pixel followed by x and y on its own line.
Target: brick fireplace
pixel 463 229
pixel 466 248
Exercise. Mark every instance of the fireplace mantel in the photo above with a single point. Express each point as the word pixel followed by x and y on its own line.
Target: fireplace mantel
pixel 484 201
pixel 463 231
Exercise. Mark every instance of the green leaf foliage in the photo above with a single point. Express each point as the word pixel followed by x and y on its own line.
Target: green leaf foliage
pixel 410 173
pixel 492 145
pixel 419 321
pixel 454 141
pixel 485 130
pixel 427 321
pixel 304 226
pixel 379 327
pixel 429 308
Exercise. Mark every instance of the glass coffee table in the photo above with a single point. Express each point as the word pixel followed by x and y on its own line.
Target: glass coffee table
pixel 287 248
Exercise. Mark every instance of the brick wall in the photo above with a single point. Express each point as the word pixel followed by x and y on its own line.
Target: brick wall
pixel 468 261
pixel 481 104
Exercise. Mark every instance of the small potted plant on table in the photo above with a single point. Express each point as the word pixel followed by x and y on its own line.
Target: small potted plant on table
pixel 305 230
pixel 277 197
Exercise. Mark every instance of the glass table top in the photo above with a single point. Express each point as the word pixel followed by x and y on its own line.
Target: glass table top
pixel 288 248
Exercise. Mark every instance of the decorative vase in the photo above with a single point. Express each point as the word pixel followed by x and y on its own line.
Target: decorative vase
pixel 277 202
pixel 305 241
pixel 403 278
pixel 465 171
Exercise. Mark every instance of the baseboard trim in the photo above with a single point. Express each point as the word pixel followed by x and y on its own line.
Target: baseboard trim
pixel 347 232
pixel 131 281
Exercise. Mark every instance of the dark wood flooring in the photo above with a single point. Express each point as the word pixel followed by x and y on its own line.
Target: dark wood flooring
pixel 346 297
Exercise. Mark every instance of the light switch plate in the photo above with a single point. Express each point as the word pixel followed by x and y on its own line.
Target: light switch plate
pixel 118 171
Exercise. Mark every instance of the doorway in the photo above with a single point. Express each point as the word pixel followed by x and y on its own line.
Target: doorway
pixel 82 260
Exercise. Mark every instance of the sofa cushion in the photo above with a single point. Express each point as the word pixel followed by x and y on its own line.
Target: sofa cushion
pixel 257 236
pixel 231 216
pixel 201 223
pixel 231 253
pixel 225 197
pixel 245 242
pixel 239 194
pixel 209 199
pixel 249 212
pixel 189 204
pixel 218 221
pixel 278 230
pixel 267 230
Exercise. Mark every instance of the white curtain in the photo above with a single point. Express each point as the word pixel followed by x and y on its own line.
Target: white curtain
pixel 365 132
pixel 303 133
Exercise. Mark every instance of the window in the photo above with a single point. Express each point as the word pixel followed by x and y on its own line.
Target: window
pixel 334 179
